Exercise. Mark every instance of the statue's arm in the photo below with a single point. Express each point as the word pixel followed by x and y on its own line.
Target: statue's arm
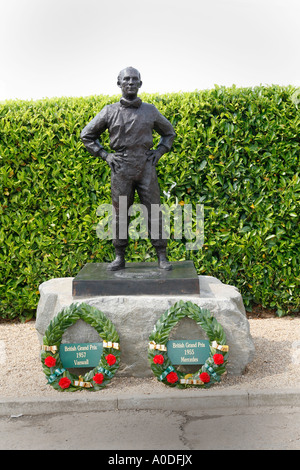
pixel 91 133
pixel 167 133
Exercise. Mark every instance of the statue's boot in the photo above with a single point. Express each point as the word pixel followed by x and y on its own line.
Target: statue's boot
pixel 163 263
pixel 119 261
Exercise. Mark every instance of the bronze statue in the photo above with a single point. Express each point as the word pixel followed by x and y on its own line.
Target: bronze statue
pixel 130 124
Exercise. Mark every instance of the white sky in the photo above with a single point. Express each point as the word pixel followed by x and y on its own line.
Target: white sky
pixel 52 48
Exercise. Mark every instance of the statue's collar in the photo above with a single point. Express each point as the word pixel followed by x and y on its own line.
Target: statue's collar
pixel 136 103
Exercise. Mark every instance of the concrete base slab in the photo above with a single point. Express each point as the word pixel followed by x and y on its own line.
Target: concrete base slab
pixel 179 400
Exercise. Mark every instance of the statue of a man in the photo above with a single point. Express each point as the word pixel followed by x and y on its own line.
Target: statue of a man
pixel 130 124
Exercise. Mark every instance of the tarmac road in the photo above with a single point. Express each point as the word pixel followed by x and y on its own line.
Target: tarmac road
pixel 241 428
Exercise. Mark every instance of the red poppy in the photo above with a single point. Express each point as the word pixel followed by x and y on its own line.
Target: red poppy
pixel 172 377
pixel 204 376
pixel 64 382
pixel 158 359
pixel 111 359
pixel 98 378
pixel 50 361
pixel 218 359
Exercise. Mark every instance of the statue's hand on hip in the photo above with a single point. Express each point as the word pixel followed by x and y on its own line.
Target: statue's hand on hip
pixel 113 161
pixel 154 155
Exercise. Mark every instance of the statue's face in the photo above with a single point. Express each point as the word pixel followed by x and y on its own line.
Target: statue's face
pixel 129 82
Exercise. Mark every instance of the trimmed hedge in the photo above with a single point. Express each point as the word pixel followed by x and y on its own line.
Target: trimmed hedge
pixel 236 152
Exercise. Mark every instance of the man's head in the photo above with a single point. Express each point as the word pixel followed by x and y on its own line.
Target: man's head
pixel 129 80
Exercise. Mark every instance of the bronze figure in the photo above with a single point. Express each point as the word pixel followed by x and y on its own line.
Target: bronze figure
pixel 130 123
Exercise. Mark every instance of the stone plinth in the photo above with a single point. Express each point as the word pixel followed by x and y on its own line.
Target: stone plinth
pixel 134 317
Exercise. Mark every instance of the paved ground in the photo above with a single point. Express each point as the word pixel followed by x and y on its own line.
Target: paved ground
pixel 265 428
pixel 173 422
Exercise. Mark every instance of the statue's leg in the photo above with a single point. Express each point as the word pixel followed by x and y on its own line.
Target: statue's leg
pixel 122 193
pixel 149 193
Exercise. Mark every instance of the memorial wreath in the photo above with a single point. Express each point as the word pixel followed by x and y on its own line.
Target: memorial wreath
pixel 161 365
pixel 96 379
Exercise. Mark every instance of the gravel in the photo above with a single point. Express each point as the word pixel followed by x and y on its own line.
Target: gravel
pixel 276 364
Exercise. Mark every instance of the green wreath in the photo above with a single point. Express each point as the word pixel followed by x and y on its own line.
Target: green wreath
pixel 160 363
pixel 96 379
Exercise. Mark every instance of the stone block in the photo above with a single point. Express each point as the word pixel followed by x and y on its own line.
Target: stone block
pixel 134 317
pixel 95 279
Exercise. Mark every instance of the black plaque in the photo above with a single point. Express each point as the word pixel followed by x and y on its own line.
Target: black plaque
pixel 136 279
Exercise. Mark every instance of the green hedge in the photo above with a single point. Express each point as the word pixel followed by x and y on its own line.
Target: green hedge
pixel 236 152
